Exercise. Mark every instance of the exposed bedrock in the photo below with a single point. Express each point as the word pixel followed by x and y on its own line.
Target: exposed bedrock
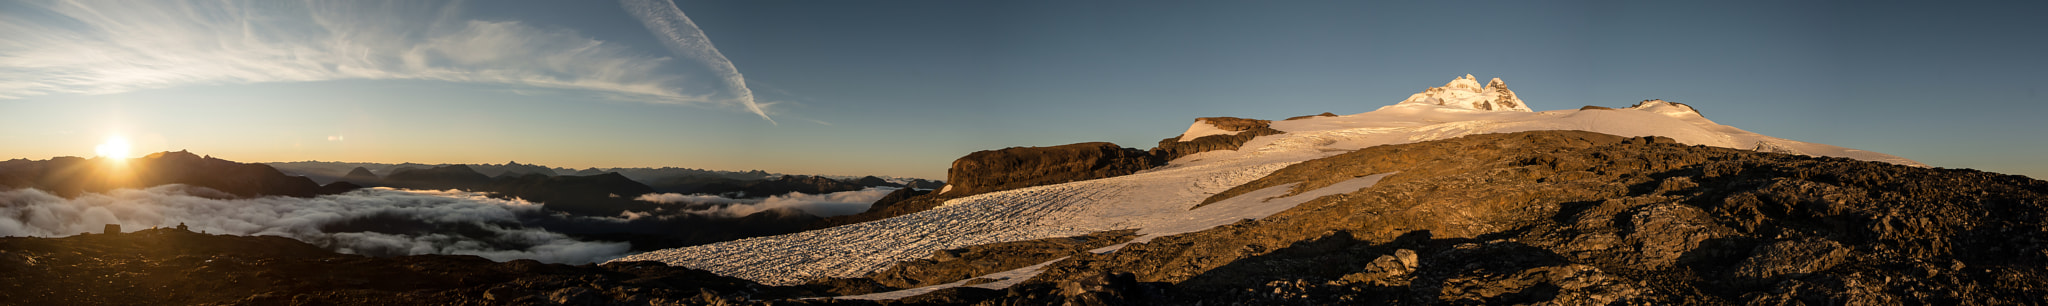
pixel 1019 167
pixel 1567 217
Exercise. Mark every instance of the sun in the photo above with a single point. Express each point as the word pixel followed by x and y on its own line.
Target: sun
pixel 115 148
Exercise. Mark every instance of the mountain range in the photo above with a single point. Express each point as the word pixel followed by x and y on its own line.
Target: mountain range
pixel 1460 194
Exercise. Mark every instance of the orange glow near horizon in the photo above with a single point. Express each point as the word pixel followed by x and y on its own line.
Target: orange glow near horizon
pixel 116 148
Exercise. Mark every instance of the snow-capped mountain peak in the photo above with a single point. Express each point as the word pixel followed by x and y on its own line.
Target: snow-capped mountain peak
pixel 1466 93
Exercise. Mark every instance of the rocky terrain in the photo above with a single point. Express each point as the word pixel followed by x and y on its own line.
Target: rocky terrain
pixel 946 266
pixel 169 266
pixel 1584 218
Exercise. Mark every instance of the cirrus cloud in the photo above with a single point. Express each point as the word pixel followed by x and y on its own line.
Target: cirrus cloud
pixel 66 47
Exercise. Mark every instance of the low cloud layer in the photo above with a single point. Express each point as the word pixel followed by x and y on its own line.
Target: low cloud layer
pixel 64 47
pixel 493 226
pixel 822 205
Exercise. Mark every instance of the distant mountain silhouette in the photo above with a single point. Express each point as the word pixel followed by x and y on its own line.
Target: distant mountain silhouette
pixel 443 177
pixel 513 169
pixel 71 176
pixel 872 181
pixel 596 195
pixel 803 184
pixel 362 176
pixel 925 184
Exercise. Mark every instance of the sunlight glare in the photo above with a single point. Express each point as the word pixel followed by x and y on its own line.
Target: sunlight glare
pixel 115 148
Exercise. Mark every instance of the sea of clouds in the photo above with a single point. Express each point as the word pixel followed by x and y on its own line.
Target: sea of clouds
pixel 492 227
pixel 822 205
pixel 390 222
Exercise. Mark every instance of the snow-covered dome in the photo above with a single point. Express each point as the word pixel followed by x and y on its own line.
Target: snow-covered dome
pixel 1465 93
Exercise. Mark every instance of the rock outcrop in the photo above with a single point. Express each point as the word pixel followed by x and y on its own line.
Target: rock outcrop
pixel 1324 114
pixel 1239 131
pixel 1018 167
pixel 71 176
pixel 897 196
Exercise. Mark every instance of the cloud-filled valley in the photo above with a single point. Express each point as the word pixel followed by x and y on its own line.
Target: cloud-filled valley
pixel 405 222
pixel 393 222
pixel 822 205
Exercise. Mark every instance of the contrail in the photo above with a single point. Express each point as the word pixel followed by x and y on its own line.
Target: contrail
pixel 683 37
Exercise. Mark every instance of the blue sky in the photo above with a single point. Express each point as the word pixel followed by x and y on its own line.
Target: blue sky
pixel 903 87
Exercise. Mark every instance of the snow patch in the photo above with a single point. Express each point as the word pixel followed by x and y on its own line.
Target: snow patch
pixel 1203 128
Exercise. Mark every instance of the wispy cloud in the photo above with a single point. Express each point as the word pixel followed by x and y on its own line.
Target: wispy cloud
pixel 683 37
pixel 64 47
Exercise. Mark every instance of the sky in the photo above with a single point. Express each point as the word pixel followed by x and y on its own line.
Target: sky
pixel 901 88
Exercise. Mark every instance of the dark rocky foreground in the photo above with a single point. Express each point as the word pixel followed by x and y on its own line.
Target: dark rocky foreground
pixel 171 267
pixel 1584 218
pixel 1554 217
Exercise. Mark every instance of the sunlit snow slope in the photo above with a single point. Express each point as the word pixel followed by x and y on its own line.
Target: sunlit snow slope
pixel 1157 201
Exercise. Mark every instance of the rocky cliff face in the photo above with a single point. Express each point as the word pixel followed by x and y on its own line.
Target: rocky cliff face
pixel 71 176
pixel 1019 167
